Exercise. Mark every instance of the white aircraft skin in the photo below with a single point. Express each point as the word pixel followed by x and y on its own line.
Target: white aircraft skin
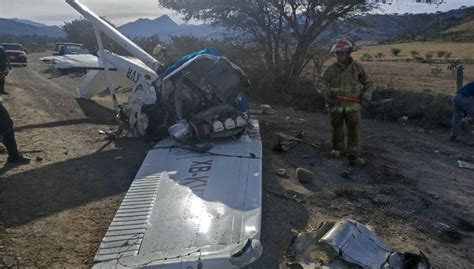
pixel 190 210
pixel 184 210
pixel 122 71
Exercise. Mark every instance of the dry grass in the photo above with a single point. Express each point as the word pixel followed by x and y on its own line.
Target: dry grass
pixel 457 50
pixel 412 76
pixel 415 76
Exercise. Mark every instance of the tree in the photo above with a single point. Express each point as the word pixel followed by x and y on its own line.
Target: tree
pixel 416 25
pixel 82 31
pixel 390 2
pixel 284 30
pixel 396 51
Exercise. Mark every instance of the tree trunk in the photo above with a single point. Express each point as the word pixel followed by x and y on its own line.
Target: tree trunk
pixel 296 66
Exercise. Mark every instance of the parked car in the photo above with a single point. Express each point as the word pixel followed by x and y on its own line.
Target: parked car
pixel 64 48
pixel 15 52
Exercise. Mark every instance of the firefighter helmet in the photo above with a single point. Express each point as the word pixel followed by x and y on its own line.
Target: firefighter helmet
pixel 342 45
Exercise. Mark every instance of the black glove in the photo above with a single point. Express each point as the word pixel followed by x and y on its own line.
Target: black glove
pixel 331 99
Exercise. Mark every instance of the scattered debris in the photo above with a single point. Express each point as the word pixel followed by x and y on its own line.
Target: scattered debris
pixel 266 109
pixel 380 102
pixel 448 232
pixel 255 111
pixel 119 158
pixel 288 197
pixel 346 244
pixel 111 134
pixel 304 175
pixel 265 106
pixel 434 195
pixel 282 173
pixel 287 142
pixel 300 134
pixel 463 164
pixel 347 174
pixel 403 120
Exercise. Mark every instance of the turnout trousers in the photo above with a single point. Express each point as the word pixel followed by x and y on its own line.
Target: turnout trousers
pixel 352 121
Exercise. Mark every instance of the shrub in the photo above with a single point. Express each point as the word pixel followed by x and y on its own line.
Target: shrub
pixel 429 55
pixel 366 57
pixel 379 56
pixel 396 51
pixel 436 70
pixel 440 53
pixel 414 53
pixel 419 59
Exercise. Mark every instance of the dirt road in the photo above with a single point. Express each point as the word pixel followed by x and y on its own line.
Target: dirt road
pixel 54 212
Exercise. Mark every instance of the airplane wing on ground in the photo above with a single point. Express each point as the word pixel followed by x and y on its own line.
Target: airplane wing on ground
pixel 190 210
pixel 128 70
pixel 76 61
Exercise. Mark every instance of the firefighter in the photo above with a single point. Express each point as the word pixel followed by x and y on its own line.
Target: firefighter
pixel 348 89
pixel 4 68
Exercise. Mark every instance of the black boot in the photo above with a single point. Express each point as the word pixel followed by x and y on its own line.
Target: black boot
pixel 14 157
pixel 17 160
pixel 2 86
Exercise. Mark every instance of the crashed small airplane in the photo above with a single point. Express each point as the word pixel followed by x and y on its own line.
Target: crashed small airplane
pixel 196 200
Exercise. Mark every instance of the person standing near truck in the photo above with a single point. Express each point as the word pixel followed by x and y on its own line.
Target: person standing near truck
pixel 4 69
pixel 348 88
pixel 6 123
pixel 8 138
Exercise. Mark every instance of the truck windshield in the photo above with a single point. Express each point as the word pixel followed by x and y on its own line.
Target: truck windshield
pixel 12 47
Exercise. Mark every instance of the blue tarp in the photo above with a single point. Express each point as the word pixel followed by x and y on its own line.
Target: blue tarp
pixel 170 68
pixel 467 90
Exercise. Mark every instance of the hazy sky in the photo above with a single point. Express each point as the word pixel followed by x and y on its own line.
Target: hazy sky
pixel 55 12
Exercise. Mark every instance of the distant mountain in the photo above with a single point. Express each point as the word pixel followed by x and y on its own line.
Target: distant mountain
pixel 18 28
pixel 165 28
pixel 376 27
pixel 162 26
pixel 383 27
pixel 33 23
pixel 451 25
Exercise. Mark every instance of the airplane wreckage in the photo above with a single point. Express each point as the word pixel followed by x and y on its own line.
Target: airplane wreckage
pixel 196 201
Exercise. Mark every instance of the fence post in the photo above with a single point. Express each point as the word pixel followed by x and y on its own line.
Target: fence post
pixel 459 76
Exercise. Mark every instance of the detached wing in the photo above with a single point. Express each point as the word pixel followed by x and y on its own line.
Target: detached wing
pixel 76 61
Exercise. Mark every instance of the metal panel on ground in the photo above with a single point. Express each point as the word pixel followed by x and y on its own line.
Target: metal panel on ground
pixel 190 210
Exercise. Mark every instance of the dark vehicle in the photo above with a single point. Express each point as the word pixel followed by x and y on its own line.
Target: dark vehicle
pixel 63 48
pixel 15 52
